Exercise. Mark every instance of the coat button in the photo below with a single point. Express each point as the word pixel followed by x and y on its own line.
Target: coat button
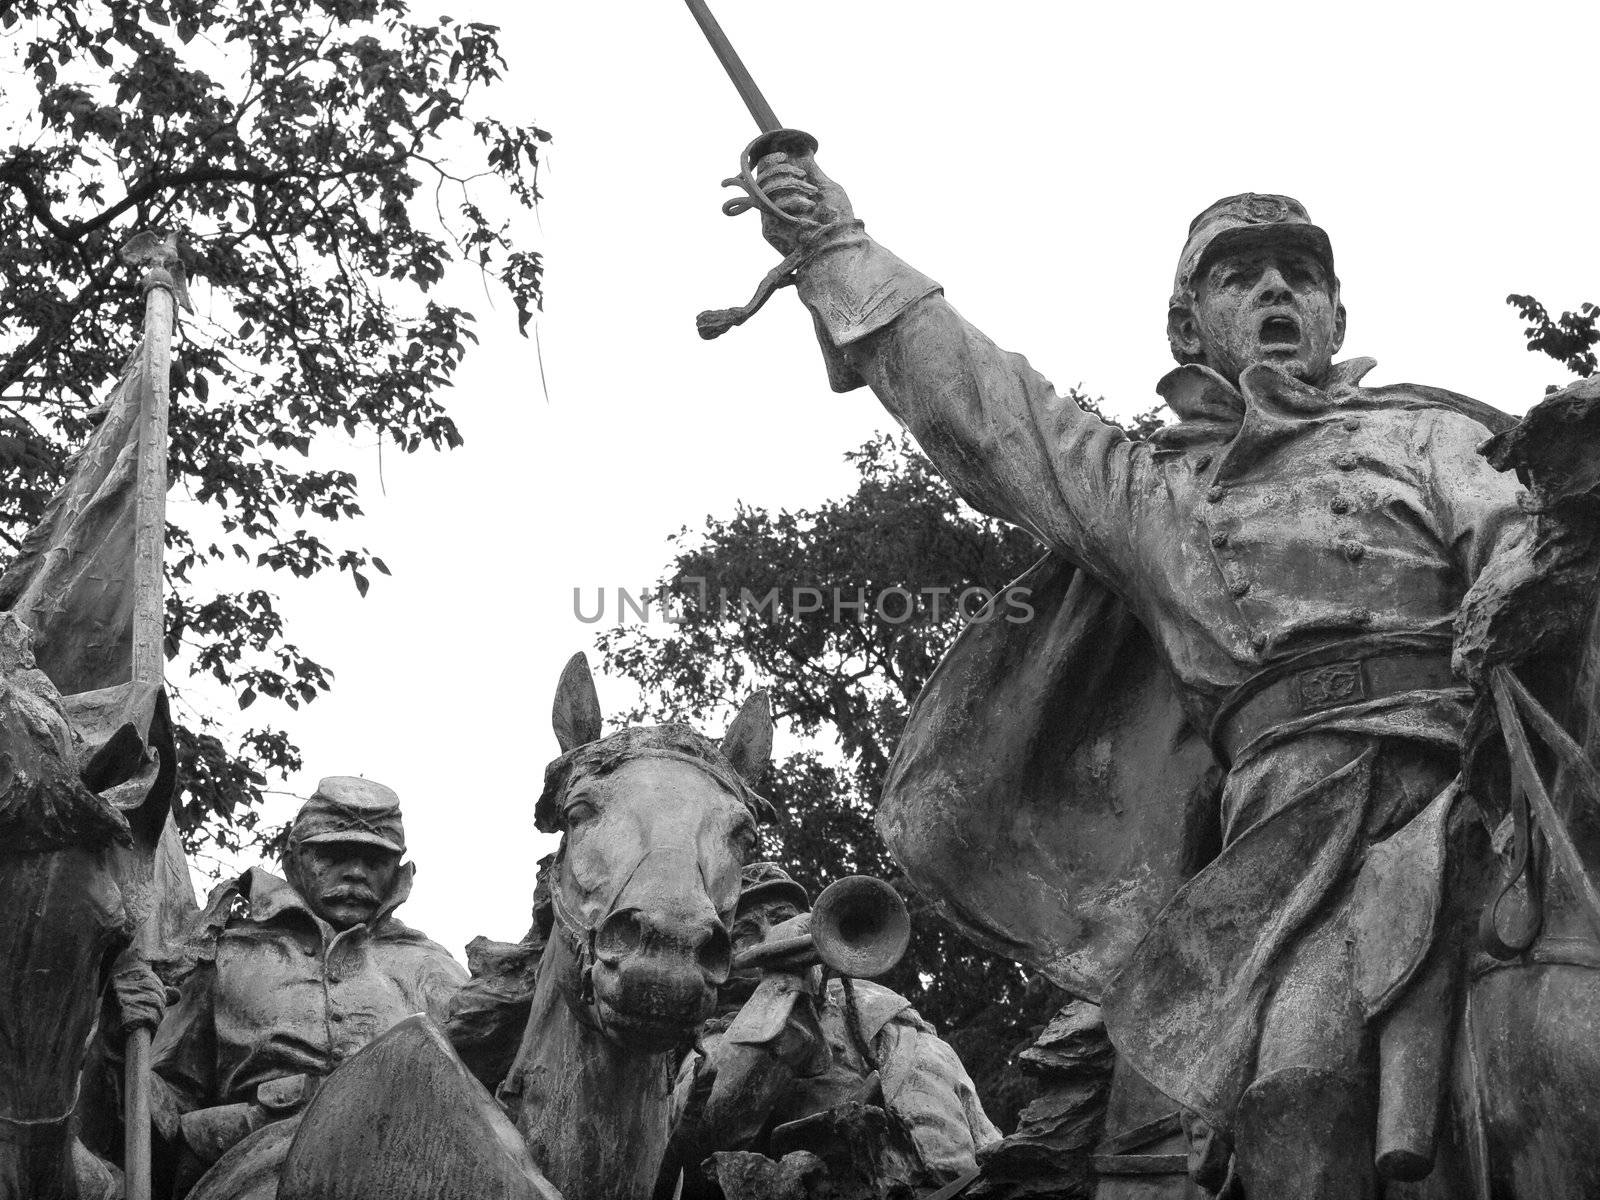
pixel 1354 551
pixel 1219 539
pixel 1216 494
pixel 1238 588
pixel 1345 461
pixel 1340 505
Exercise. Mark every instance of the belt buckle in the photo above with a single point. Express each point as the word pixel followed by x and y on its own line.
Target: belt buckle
pixel 1331 685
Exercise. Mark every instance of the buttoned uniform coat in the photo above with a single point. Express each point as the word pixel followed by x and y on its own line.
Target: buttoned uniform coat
pixel 1274 519
pixel 278 996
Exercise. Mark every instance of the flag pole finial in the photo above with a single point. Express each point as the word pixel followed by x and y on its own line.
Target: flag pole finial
pixel 162 260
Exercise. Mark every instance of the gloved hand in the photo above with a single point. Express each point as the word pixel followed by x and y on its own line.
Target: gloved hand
pixel 797 186
pixel 142 999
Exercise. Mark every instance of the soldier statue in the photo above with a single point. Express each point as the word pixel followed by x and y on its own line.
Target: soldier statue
pixel 1294 548
pixel 846 1040
pixel 294 976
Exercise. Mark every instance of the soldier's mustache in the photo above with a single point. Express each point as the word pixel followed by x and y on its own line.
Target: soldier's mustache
pixel 350 892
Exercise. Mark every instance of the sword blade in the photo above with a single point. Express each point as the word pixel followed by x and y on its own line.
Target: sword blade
pixel 766 119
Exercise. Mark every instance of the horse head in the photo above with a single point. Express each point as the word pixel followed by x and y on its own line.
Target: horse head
pixel 655 823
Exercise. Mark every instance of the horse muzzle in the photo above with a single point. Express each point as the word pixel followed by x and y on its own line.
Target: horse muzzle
pixel 656 976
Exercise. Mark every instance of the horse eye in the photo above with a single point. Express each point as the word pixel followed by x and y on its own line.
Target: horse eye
pixel 578 812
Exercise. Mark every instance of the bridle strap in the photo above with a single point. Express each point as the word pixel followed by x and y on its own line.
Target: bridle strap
pixel 581 934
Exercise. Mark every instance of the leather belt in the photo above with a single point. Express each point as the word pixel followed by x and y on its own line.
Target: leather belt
pixel 1253 708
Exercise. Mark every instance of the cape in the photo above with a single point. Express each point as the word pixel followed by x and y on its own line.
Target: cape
pixel 1048 794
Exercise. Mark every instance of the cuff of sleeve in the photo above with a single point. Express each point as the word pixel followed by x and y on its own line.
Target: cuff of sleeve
pixel 854 287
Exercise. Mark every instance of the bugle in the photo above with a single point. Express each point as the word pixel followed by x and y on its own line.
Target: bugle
pixel 858 927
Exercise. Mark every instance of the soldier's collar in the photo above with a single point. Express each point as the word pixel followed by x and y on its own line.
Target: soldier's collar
pixel 271 896
pixel 1197 393
pixel 1210 409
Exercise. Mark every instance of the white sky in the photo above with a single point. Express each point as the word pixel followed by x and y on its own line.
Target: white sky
pixel 1042 160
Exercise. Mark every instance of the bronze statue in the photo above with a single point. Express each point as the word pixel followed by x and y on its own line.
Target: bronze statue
pixel 65 925
pixel 1264 592
pixel 630 943
pixel 786 1047
pixel 581 1026
pixel 94 863
pixel 294 976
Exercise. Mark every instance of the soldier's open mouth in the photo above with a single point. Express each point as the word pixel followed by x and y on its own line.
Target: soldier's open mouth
pixel 1280 331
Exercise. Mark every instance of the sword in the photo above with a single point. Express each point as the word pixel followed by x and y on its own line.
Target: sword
pixel 774 138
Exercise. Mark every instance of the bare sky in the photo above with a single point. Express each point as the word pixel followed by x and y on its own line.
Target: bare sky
pixel 1042 160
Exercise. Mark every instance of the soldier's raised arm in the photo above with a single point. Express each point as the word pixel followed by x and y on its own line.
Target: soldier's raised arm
pixel 1005 438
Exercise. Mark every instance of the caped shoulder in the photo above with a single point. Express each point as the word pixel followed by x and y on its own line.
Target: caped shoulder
pixel 876 1004
pixel 1425 396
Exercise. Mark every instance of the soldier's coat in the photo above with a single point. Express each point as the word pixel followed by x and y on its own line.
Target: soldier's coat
pixel 277 994
pixel 924 1083
pixel 1053 762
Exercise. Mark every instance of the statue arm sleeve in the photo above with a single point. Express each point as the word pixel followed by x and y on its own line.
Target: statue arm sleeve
pixel 926 1086
pixel 485 1027
pixel 184 1054
pixel 438 982
pixel 1481 518
pixel 1009 443
pixel 748 1085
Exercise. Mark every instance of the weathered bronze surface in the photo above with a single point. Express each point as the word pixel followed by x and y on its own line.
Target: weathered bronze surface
pixel 404 1118
pixel 292 978
pixel 62 921
pixel 795 1063
pixel 91 859
pixel 655 824
pixel 1212 786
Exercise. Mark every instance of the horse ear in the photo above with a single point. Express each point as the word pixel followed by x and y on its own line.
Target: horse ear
pixel 576 713
pixel 748 742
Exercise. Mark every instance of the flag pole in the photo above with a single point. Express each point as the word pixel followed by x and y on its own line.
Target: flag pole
pixel 164 289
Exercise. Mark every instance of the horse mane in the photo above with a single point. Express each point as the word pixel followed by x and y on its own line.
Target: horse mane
pixel 600 758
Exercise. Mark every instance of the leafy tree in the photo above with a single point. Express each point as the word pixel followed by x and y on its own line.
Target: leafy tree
pixel 754 604
pixel 302 147
pixel 1570 339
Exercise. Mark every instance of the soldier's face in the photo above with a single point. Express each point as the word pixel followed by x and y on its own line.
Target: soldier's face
pixel 344 883
pixel 1268 306
pixel 751 927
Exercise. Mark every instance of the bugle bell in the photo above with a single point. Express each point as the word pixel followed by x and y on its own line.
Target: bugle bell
pixel 858 927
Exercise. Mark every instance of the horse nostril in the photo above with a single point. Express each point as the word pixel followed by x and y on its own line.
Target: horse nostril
pixel 619 935
pixel 715 955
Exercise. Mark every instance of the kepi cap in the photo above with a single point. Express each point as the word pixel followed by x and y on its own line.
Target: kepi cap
pixel 766 882
pixel 1243 221
pixel 346 808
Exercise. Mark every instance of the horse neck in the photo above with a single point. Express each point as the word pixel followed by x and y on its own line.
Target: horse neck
pixel 60 915
pixel 594 1114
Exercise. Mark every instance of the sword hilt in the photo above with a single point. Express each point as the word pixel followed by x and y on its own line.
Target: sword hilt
pixel 797 144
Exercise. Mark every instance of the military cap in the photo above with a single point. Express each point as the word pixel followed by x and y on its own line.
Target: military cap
pixel 345 808
pixel 1247 220
pixel 766 882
